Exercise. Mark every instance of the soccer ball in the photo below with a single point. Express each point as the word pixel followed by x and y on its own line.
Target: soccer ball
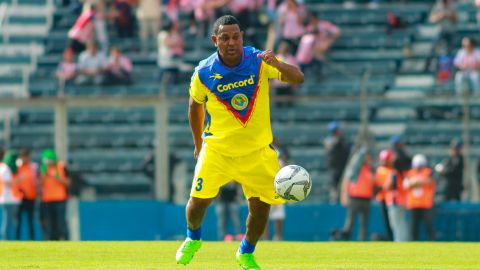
pixel 293 183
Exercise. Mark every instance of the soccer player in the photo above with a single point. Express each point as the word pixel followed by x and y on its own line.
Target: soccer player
pixel 230 92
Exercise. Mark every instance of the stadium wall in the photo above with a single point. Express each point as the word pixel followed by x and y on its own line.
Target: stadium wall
pixel 153 220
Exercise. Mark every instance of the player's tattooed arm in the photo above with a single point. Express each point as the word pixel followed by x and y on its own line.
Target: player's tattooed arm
pixel 196 117
pixel 289 73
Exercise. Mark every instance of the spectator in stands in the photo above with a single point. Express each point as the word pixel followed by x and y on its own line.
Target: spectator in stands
pixel 327 34
pixel 420 189
pixel 200 12
pixel 90 66
pixel 149 15
pixel 468 63
pixel 122 17
pixel 320 37
pixel 101 33
pixel 357 191
pixel 284 90
pixel 170 52
pixel 451 170
pixel 305 55
pixel 118 69
pixel 271 18
pixel 291 16
pixel 54 183
pixel 338 151
pixel 27 177
pixel 82 31
pixel 394 22
pixel 477 5
pixel 67 69
pixel 445 15
pixel 227 208
pixel 10 197
pixel 384 172
pixel 245 11
pixel 186 8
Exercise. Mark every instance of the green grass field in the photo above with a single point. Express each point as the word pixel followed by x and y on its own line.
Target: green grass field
pixel 218 255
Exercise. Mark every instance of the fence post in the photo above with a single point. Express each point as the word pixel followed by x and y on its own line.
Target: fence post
pixel 466 144
pixel 61 129
pixel 161 150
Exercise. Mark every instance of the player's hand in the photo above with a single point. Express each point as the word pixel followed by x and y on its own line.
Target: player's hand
pixel 269 57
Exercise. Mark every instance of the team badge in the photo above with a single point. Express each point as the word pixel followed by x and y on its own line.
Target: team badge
pixel 239 102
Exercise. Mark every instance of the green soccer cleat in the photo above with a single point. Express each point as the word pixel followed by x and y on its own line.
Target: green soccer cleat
pixel 247 261
pixel 187 250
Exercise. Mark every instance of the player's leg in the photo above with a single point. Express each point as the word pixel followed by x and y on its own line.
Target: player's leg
pixel 209 177
pixel 195 212
pixel 257 184
pixel 257 219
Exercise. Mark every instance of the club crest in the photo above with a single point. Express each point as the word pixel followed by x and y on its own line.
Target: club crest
pixel 239 102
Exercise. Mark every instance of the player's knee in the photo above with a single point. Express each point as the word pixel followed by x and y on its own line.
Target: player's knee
pixel 257 207
pixel 198 203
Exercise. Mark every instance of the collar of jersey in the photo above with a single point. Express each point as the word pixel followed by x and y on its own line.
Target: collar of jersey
pixel 222 65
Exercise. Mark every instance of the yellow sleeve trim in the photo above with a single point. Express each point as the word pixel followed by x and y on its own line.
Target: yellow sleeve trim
pixel 196 99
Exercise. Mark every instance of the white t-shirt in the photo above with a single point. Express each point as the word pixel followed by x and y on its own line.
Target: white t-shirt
pixel 6 177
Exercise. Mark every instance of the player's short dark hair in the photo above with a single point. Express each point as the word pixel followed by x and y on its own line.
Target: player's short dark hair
pixel 224 20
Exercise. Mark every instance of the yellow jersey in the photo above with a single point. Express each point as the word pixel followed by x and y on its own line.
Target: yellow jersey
pixel 237 102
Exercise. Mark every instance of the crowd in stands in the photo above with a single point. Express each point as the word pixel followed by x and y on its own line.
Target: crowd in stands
pixel 292 29
pixel 93 68
pixel 465 60
pixel 25 187
pixel 294 32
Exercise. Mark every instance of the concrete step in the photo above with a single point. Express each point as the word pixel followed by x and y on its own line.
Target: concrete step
pixel 22 49
pixel 29 10
pixel 414 81
pixel 22 30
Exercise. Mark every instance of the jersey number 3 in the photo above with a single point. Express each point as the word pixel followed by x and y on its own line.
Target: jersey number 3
pixel 199 184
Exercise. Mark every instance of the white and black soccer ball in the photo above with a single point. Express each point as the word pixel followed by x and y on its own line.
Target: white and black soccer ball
pixel 293 183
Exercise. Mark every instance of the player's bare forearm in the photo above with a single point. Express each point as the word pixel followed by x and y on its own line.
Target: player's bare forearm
pixel 290 74
pixel 196 117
